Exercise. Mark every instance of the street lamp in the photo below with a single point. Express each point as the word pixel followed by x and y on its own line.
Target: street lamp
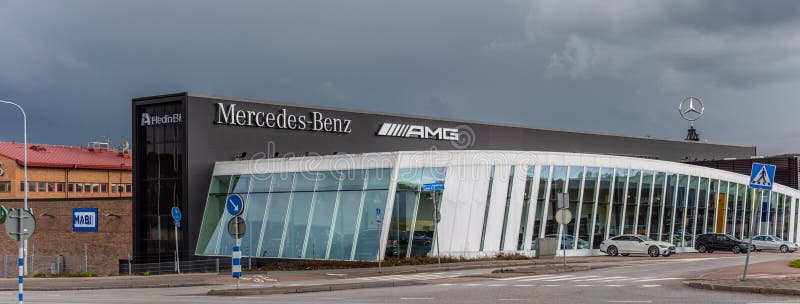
pixel 23 245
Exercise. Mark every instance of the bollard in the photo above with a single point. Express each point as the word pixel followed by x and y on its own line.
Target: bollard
pixel 217 265
pixel 5 265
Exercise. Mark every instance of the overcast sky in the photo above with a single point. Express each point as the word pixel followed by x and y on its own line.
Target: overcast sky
pixel 603 66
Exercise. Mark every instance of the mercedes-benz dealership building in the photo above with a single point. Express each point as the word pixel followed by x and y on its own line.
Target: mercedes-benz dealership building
pixel 321 183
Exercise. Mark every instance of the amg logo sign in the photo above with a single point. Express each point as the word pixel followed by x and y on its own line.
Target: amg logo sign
pixel 314 121
pixel 152 120
pixel 413 131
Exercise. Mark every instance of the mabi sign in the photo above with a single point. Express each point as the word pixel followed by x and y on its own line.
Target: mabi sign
pixel 84 219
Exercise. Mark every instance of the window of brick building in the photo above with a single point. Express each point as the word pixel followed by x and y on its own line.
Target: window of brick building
pixel 59 187
pixel 5 186
pixel 42 186
pixel 78 187
pixel 128 188
pixel 87 187
pixel 104 188
pixel 51 187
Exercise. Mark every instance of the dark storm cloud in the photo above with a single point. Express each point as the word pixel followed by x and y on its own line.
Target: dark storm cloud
pixel 617 67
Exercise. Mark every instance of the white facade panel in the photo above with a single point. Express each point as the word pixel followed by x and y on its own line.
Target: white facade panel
pixel 455 209
pixel 497 207
pixel 477 188
pixel 515 208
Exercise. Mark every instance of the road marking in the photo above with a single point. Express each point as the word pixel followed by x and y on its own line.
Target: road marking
pixel 599 279
pixel 523 285
pixel 525 277
pixel 584 285
pixel 547 278
pixel 630 301
pixel 566 279
pixel 496 285
pixel 615 285
pixel 659 279
pixel 551 285
pixel 651 285
pixel 446 284
pixel 512 299
pixel 415 299
pixel 473 284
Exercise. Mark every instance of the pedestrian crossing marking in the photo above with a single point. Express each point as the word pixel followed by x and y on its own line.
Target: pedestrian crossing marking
pixel 525 277
pixel 659 279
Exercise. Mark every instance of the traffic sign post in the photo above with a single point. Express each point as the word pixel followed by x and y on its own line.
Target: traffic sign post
pixel 234 204
pixel 176 216
pixel 379 221
pixel 762 177
pixel 563 217
pixel 20 225
pixel 236 229
pixel 437 216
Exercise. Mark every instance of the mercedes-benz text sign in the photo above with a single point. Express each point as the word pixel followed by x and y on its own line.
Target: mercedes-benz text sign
pixel 415 131
pixel 314 121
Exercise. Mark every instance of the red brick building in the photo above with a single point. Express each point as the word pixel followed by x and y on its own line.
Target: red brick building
pixel 61 178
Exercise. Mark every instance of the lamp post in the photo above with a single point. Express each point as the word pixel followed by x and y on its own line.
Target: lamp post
pixel 23 245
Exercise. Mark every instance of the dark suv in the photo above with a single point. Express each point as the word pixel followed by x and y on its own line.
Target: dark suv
pixel 718 241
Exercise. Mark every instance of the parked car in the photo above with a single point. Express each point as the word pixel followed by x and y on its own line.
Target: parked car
pixel 711 242
pixel 636 244
pixel 768 242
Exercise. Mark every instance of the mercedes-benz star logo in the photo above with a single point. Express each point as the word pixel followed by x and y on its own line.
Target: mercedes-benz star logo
pixel 691 108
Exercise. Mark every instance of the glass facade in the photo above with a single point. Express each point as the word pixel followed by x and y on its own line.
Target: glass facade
pixel 337 214
pixel 314 215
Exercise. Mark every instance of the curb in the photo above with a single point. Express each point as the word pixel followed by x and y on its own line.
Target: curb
pixel 528 271
pixel 710 285
pixel 112 287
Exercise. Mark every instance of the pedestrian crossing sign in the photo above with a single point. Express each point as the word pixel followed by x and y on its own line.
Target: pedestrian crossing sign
pixel 762 176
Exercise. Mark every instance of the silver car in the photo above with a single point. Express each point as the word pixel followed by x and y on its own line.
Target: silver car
pixel 768 242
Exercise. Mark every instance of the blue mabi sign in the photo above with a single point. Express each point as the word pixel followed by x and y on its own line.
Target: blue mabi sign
pixel 84 219
pixel 234 204
pixel 433 186
pixel 762 176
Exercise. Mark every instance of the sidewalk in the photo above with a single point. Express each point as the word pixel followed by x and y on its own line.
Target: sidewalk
pixel 775 277
pixel 115 282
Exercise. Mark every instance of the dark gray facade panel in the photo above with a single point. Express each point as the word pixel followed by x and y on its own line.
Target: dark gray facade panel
pixel 207 142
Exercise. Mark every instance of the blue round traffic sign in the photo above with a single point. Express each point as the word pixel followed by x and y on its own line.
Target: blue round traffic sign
pixel 176 214
pixel 234 204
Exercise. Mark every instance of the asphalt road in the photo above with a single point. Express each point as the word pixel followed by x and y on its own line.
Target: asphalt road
pixel 618 282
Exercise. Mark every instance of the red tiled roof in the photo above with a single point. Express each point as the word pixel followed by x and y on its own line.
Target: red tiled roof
pixel 54 156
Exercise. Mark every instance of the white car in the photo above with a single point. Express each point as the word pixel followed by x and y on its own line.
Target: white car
pixel 767 242
pixel 636 244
